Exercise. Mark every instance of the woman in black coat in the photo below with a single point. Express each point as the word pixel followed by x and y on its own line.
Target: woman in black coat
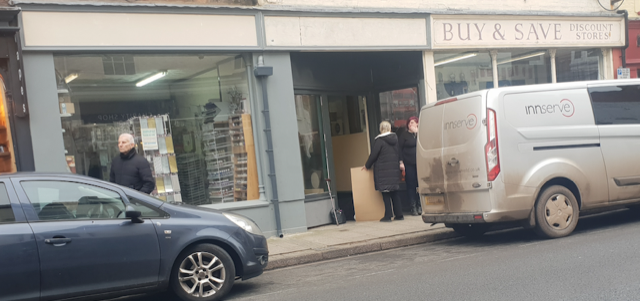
pixel 407 144
pixel 385 160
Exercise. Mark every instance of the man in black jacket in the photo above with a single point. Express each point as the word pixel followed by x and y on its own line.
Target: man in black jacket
pixel 129 169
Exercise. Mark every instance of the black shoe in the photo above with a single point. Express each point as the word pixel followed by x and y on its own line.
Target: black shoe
pixel 419 210
pixel 399 218
pixel 414 212
pixel 385 220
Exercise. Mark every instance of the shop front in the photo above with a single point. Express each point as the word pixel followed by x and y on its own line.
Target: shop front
pixel 187 91
pixel 472 53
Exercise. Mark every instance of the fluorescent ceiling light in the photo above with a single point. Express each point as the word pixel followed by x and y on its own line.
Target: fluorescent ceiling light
pixel 522 57
pixel 456 58
pixel 151 78
pixel 70 77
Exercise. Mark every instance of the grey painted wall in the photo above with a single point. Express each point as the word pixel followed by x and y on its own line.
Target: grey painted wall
pixel 46 128
pixel 286 145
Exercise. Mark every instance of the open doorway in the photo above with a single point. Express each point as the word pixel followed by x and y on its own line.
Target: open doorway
pixel 340 100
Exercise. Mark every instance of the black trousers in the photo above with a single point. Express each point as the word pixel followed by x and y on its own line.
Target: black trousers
pixel 392 197
pixel 411 178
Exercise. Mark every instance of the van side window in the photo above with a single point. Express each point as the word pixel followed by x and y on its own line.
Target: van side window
pixel 616 104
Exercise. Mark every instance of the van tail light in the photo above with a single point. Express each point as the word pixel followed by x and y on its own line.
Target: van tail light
pixel 491 149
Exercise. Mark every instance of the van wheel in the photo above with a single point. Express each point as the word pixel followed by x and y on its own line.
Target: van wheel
pixel 556 212
pixel 471 230
pixel 204 272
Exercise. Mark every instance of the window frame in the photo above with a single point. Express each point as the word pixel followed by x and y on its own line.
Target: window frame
pixel 16 209
pixel 163 214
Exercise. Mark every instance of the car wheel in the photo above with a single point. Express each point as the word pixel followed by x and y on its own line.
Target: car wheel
pixel 556 212
pixel 471 230
pixel 203 272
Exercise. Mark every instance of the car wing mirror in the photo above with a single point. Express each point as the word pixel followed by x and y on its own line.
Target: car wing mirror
pixel 134 215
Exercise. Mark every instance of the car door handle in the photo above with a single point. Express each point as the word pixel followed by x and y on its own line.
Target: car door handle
pixel 57 241
pixel 453 162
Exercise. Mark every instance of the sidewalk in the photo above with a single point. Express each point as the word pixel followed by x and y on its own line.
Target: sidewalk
pixel 331 241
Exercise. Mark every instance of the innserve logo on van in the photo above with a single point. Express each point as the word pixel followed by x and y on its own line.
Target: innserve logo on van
pixel 470 123
pixel 564 107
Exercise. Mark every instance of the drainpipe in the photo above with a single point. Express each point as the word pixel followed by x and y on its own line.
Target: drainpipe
pixel 262 72
pixel 625 13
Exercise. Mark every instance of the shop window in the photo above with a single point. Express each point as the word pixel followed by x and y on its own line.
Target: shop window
pixel 346 114
pixel 577 64
pixel 194 108
pixel 462 72
pixel 398 105
pixel 312 143
pixel 523 67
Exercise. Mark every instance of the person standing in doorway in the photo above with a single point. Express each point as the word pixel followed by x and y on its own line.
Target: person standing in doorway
pixel 130 169
pixel 384 159
pixel 407 143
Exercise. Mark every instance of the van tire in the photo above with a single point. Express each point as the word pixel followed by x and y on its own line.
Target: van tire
pixel 556 212
pixel 470 230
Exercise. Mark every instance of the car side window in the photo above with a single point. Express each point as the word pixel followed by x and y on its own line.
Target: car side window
pixel 61 200
pixel 147 210
pixel 6 212
pixel 616 104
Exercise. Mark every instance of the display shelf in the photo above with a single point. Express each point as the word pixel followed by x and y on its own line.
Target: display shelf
pixel 245 168
pixel 218 159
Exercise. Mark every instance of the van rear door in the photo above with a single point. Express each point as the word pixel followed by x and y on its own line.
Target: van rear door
pixel 464 138
pixel 429 151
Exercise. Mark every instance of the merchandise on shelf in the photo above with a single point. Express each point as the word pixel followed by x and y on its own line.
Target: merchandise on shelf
pixel 156 145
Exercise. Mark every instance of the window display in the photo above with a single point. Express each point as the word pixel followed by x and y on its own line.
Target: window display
pixel 189 114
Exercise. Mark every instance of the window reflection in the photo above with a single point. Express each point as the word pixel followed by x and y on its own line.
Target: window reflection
pixel 462 72
pixel 312 146
pixel 523 67
pixel 576 65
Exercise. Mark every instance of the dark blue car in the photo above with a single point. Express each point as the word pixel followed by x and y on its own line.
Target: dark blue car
pixel 65 237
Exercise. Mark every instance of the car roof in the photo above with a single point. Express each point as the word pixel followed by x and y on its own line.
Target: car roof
pixel 29 174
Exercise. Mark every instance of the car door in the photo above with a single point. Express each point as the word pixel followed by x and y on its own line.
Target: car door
pixel 86 245
pixel 616 109
pixel 19 264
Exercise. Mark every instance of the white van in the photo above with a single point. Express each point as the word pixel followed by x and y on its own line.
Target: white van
pixel 535 154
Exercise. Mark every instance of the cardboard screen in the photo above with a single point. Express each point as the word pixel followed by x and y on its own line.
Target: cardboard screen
pixel 367 202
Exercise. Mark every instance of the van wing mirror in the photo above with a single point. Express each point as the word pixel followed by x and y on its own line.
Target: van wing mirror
pixel 134 215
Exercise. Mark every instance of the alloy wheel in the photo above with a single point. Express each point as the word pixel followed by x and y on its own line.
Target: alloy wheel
pixel 202 274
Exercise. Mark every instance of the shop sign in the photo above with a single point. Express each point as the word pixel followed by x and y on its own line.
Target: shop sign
pixel 475 32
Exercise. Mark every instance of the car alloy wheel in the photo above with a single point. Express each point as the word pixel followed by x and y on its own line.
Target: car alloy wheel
pixel 202 274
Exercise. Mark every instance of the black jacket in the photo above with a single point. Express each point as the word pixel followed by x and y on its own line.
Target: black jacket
pixel 386 163
pixel 407 143
pixel 132 171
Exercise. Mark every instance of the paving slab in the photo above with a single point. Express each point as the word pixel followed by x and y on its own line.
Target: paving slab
pixel 352 238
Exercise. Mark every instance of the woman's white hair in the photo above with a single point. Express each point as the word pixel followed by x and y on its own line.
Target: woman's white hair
pixel 385 127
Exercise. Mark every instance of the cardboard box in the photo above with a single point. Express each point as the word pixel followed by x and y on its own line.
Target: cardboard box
pixel 67 108
pixel 367 202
